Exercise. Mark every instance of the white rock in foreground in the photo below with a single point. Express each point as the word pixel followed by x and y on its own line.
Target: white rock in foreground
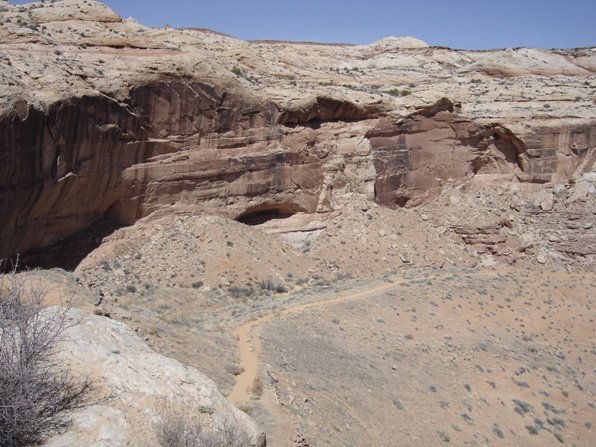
pixel 132 382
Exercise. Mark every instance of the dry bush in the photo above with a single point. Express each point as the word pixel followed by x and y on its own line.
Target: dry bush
pixel 257 387
pixel 36 391
pixel 181 424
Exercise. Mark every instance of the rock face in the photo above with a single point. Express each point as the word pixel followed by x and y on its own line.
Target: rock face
pixel 104 118
pixel 133 387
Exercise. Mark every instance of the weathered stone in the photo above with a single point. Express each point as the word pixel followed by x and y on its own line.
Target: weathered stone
pixel 404 258
pixel 140 120
pixel 132 383
pixel 547 203
pixel 579 193
pixel 488 262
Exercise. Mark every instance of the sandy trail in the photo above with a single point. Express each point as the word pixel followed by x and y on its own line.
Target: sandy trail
pixel 283 428
pixel 249 343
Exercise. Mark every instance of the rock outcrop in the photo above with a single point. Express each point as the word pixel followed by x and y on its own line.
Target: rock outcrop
pixel 134 386
pixel 104 118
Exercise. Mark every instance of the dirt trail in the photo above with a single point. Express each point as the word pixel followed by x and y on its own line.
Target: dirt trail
pixel 249 343
pixel 282 428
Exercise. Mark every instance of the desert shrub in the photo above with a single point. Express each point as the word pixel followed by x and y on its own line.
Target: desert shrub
pixel 178 317
pixel 270 286
pixel 181 424
pixel 444 436
pixel 236 71
pixel 257 387
pixel 235 369
pixel 498 431
pixel 105 265
pixel 397 92
pixel 266 285
pixel 239 292
pixel 37 392
pixel 522 407
pixel 398 404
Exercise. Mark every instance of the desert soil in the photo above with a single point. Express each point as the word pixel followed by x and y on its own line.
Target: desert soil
pixel 495 357
pixel 483 356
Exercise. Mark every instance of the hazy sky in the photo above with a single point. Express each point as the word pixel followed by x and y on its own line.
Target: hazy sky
pixel 470 24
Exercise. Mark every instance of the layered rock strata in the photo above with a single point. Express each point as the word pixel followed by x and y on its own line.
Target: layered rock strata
pixel 107 119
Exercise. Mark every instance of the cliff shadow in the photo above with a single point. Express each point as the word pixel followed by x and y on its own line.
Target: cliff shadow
pixel 68 253
pixel 266 212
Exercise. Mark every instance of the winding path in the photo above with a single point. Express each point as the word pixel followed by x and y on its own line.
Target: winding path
pixel 249 343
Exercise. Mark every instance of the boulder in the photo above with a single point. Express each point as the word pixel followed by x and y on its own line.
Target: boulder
pixel 133 385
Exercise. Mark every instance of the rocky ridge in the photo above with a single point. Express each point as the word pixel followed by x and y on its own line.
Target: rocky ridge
pixel 136 386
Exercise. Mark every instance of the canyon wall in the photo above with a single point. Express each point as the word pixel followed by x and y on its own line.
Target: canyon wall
pixel 177 129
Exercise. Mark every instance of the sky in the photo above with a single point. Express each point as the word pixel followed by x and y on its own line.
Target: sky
pixel 462 24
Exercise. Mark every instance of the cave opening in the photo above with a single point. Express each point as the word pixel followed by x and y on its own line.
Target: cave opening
pixel 264 213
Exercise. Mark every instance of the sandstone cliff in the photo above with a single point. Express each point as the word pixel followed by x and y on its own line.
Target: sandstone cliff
pixel 103 118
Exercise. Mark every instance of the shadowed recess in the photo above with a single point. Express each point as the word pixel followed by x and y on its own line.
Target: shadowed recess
pixel 263 213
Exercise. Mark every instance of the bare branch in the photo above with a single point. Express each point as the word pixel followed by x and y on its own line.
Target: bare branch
pixel 36 391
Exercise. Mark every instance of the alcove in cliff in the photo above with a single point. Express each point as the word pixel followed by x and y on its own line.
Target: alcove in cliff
pixel 266 212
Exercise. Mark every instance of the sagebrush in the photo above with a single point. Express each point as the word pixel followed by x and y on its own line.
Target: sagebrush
pixel 36 391
pixel 186 424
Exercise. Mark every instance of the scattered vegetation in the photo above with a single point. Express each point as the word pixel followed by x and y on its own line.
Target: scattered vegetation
pixel 498 431
pixel 239 292
pixel 397 92
pixel 181 424
pixel 444 436
pixel 257 387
